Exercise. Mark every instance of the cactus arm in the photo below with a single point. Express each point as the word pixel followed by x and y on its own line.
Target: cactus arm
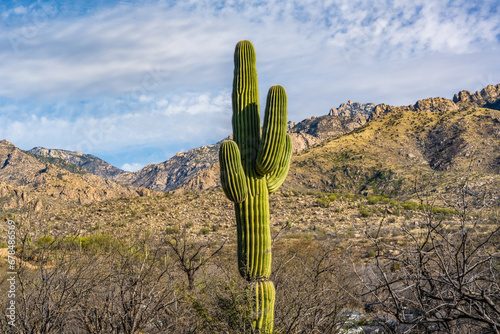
pixel 231 172
pixel 245 99
pixel 278 176
pixel 274 131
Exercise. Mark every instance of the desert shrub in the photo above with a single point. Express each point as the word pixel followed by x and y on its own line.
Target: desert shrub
pixel 323 202
pixel 365 213
pixel 444 211
pixel 171 230
pixel 44 241
pixel 334 196
pixel 204 230
pixel 409 205
pixel 95 242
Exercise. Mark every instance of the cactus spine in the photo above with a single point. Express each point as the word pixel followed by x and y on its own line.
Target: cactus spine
pixel 253 166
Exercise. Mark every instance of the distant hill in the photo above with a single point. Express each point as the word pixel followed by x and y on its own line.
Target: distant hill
pixel 370 148
pixel 175 172
pixel 34 183
pixel 88 162
pixel 435 139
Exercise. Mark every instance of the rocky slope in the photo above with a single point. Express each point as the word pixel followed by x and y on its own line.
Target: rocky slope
pixel 88 162
pixel 408 148
pixel 27 182
pixel 436 138
pixel 314 130
pixel 197 169
pixel 175 172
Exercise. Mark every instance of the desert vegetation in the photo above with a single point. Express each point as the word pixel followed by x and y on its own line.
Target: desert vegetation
pixel 405 266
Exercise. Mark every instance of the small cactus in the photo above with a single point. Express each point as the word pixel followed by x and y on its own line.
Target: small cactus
pixel 252 167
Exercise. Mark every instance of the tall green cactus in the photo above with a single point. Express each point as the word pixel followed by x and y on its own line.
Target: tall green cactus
pixel 252 167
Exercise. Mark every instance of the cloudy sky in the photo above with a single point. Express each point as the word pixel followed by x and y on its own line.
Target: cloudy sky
pixel 134 82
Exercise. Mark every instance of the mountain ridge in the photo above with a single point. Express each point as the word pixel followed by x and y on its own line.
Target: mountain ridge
pixel 26 181
pixel 433 135
pixel 88 162
pixel 193 169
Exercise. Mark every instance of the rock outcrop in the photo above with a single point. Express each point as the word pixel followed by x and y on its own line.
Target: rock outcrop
pixel 176 171
pixel 317 129
pixel 488 97
pixel 89 162
pixel 435 104
pixel 353 109
pixel 29 182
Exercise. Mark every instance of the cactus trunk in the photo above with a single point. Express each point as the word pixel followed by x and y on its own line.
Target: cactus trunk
pixel 251 168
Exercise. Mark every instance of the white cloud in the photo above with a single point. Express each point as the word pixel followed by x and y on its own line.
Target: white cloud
pixel 185 121
pixel 110 52
pixel 19 10
pixel 159 73
pixel 133 167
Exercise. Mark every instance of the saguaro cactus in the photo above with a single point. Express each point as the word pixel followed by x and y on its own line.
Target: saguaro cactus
pixel 252 167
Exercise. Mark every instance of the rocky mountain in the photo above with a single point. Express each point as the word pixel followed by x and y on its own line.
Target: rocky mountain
pixel 26 181
pixel 435 137
pixel 353 109
pixel 197 169
pixel 314 130
pixel 88 162
pixel 488 97
pixel 434 142
pixel 175 172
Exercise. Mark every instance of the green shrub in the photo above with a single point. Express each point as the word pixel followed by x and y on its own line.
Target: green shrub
pixel 372 199
pixel 171 230
pixel 44 241
pixel 323 202
pixel 409 205
pixel 95 242
pixel 444 211
pixel 395 267
pixel 204 230
pixel 333 196
pixel 378 199
pixel 364 213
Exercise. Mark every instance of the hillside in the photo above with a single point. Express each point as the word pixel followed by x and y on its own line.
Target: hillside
pixel 26 183
pixel 175 172
pixel 360 148
pixel 434 141
pixel 88 162
pixel 437 139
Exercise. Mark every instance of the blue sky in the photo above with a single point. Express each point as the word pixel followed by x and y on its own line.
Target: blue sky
pixel 134 82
